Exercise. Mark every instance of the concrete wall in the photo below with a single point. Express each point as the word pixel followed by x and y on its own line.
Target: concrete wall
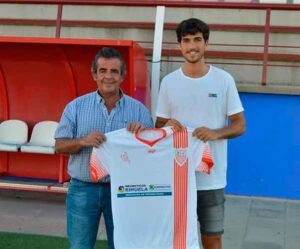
pixel 280 79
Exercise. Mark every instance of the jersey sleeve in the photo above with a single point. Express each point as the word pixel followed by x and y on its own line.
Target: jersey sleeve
pixel 99 163
pixel 163 106
pixel 203 157
pixel 234 104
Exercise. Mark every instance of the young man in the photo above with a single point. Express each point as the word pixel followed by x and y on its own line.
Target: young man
pixel 203 97
pixel 82 127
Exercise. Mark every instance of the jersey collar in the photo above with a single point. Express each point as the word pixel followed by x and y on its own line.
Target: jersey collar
pixel 151 142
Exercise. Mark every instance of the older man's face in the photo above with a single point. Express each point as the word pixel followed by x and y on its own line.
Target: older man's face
pixel 108 76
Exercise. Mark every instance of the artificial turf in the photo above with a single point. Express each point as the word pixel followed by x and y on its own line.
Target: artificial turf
pixel 33 241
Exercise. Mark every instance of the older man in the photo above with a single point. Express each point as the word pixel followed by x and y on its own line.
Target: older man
pixel 83 124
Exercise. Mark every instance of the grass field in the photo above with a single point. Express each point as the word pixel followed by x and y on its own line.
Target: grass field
pixel 31 241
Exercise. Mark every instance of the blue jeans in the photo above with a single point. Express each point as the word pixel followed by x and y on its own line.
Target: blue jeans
pixel 85 204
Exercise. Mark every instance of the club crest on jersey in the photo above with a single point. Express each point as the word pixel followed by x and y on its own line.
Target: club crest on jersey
pixel 180 156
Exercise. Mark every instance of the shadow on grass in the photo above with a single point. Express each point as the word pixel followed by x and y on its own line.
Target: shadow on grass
pixel 32 241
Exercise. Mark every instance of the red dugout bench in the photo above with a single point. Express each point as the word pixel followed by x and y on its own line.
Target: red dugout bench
pixel 39 76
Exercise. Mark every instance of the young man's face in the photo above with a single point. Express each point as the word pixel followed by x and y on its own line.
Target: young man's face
pixel 108 75
pixel 193 47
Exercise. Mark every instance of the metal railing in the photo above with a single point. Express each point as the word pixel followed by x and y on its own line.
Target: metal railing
pixel 265 56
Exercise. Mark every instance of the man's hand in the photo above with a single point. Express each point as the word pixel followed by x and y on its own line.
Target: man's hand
pixel 93 139
pixel 72 146
pixel 135 126
pixel 175 123
pixel 161 122
pixel 205 134
pixel 236 127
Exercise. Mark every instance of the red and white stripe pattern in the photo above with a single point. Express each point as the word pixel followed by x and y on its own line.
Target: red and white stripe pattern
pixel 96 168
pixel 207 162
pixel 180 141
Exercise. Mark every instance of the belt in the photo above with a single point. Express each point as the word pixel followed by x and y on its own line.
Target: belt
pixel 102 183
pixel 97 183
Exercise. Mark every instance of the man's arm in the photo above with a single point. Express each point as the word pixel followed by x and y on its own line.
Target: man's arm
pixel 236 128
pixel 161 122
pixel 72 146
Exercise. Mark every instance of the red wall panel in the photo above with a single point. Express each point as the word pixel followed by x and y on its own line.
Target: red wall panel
pixel 39 76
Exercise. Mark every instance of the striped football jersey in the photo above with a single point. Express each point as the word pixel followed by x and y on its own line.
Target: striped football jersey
pixel 153 186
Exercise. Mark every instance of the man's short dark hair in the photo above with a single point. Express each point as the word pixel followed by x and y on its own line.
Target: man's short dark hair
pixel 191 27
pixel 107 53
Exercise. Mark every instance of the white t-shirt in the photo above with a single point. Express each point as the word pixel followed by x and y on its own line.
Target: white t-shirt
pixel 153 186
pixel 205 101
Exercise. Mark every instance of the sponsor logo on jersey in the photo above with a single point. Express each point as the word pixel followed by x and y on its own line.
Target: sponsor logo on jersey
pixel 144 190
pixel 181 156
pixel 160 187
pixel 121 189
pixel 212 95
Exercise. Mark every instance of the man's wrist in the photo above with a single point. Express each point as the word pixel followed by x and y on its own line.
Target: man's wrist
pixel 218 134
pixel 81 142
